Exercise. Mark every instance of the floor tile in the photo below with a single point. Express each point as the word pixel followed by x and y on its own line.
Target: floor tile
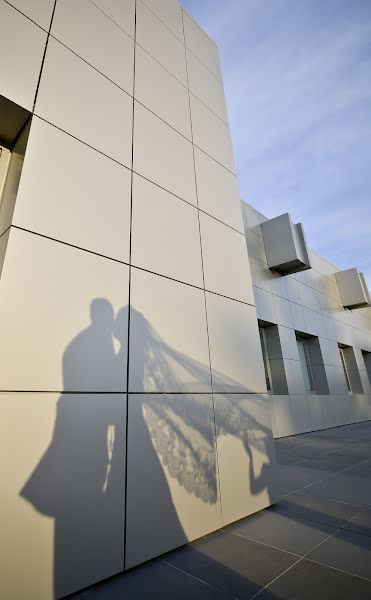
pixel 239 561
pixel 152 580
pixel 321 510
pixel 330 462
pixel 311 450
pixel 294 477
pixel 361 469
pixel 348 551
pixel 308 580
pixel 361 451
pixel 231 563
pixel 361 523
pixel 344 488
pixel 285 532
pixel 282 458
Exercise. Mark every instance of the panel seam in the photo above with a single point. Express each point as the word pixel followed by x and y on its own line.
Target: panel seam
pixel 205 302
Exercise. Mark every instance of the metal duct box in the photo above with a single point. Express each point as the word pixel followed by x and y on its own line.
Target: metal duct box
pixel 285 245
pixel 352 288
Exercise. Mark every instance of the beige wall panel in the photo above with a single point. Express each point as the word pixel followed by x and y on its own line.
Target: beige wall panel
pixel 163 156
pixel 278 282
pixel 201 45
pixel 64 493
pixel 47 291
pixel 161 43
pixel 347 408
pixel 159 91
pixel 313 321
pixel 365 379
pixel 288 343
pixel 72 193
pixel 225 259
pixel 261 276
pixel 165 234
pixel 256 248
pixel 122 13
pixel 297 317
pixel 315 411
pixel 20 63
pixel 336 380
pixel 331 408
pixel 366 406
pixel 94 37
pixel 234 338
pixel 217 191
pixel 244 440
pixel 294 376
pixel 300 413
pixel 283 313
pixel 211 134
pixel 330 352
pixel 266 306
pixel 273 420
pixel 292 289
pixel 168 336
pixel 251 218
pixel 173 488
pixel 359 359
pixel 170 13
pixel 359 408
pixel 92 109
pixel 40 11
pixel 206 87
pixel 283 416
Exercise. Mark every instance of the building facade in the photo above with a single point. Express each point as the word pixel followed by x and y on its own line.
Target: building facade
pixel 135 414
pixel 317 353
pixel 136 402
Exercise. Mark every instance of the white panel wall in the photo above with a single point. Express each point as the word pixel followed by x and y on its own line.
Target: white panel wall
pixel 308 303
pixel 20 67
pixel 62 496
pixel 171 450
pixel 92 109
pixel 125 289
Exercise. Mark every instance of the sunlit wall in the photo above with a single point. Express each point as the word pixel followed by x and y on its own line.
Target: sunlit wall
pixel 134 412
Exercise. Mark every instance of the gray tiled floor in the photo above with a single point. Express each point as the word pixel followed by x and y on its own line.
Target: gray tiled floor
pixel 316 542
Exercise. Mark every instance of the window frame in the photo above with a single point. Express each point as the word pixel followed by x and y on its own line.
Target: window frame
pixel 267 371
pixel 345 369
pixel 301 341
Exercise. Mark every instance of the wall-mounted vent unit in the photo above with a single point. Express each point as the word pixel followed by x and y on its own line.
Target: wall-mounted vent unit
pixel 352 289
pixel 285 245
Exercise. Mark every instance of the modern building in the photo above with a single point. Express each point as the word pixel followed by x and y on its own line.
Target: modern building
pixel 315 333
pixel 147 356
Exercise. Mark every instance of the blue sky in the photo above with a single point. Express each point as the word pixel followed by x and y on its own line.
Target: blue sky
pixel 297 78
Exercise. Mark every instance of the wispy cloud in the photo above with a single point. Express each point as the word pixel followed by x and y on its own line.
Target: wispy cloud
pixel 297 77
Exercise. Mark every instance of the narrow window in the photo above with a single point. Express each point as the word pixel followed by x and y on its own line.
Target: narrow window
pixel 345 368
pixel 305 366
pixel 265 360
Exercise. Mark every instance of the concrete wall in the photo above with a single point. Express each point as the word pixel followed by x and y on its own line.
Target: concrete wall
pixel 134 413
pixel 308 304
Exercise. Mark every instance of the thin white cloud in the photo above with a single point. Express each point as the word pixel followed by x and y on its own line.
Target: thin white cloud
pixel 298 87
